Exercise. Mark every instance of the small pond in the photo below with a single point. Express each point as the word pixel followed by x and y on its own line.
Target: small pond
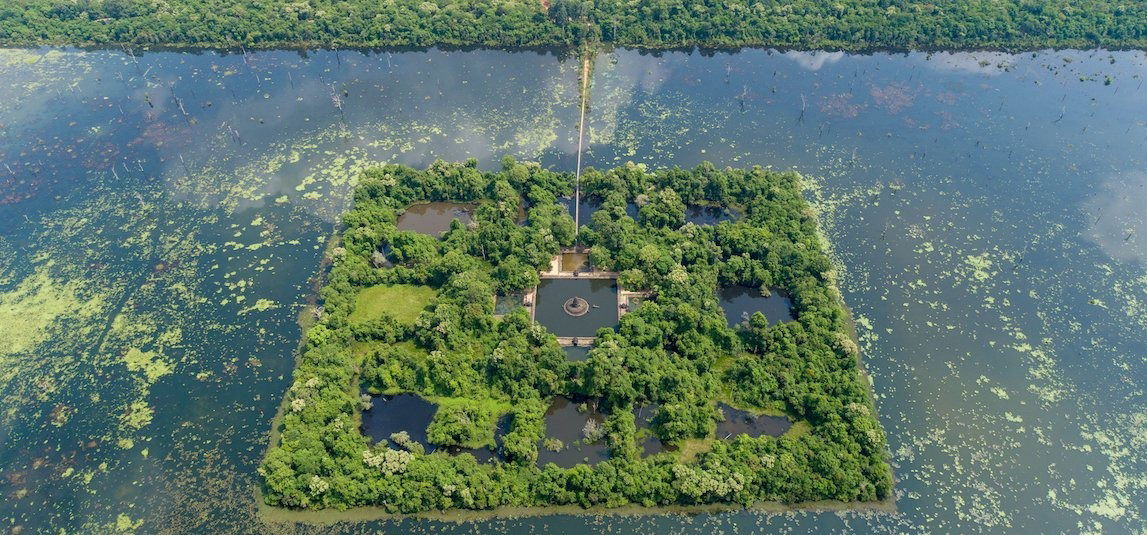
pixel 575 262
pixel 403 412
pixel 577 353
pixel 634 301
pixel 600 294
pixel 739 422
pixel 650 444
pixel 434 218
pixel 740 302
pixel 411 413
pixel 566 423
pixel 708 215
pixel 505 304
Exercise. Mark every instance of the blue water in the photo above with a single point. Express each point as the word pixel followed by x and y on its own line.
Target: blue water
pixel 983 210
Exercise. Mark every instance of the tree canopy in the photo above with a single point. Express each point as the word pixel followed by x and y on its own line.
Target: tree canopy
pixel 828 24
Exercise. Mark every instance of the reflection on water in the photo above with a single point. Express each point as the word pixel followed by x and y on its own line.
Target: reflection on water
pixel 589 206
pixel 643 417
pixel 1118 220
pixel 739 422
pixel 394 414
pixel 505 304
pixel 601 294
pixel 435 218
pixel 575 434
pixel 575 262
pixel 741 302
pixel 411 414
pixel 577 353
pixel 1003 337
pixel 188 196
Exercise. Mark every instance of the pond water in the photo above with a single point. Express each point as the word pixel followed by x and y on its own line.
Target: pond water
pixel 566 422
pixel 739 422
pixel 411 413
pixel 577 353
pixel 505 304
pixel 643 417
pixel 575 262
pixel 434 218
pixel 392 414
pixel 600 294
pixel 590 205
pixel 741 302
pixel 176 204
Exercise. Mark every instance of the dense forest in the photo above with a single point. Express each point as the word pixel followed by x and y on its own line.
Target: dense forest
pixel 675 351
pixel 835 24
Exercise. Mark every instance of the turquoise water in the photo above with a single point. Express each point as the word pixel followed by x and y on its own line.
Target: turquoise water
pixel 161 218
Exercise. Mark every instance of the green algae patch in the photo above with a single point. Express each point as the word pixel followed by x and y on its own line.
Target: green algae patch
pixel 403 302
pixel 151 363
pixel 28 311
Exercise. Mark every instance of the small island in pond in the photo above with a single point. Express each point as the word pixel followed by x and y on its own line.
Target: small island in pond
pixel 685 346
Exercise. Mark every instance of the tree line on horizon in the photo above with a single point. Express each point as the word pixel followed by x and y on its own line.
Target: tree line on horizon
pixel 806 24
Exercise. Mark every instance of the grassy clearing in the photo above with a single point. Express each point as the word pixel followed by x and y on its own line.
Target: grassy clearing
pixel 799 428
pixel 402 301
pixel 688 450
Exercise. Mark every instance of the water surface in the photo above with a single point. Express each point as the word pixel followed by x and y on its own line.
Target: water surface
pixel 740 422
pixel 984 210
pixel 740 303
pixel 393 414
pixel 601 294
pixel 577 353
pixel 412 414
pixel 566 421
pixel 643 417
pixel 435 218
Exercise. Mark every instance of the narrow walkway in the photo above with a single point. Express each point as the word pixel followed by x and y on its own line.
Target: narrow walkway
pixel 580 137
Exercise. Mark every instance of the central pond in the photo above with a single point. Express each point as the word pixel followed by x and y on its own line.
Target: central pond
pixel 600 294
pixel 161 215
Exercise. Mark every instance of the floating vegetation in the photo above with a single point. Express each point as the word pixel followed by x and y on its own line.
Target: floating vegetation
pixel 1008 156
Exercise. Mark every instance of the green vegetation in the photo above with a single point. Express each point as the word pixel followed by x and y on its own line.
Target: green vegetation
pixel 676 350
pixel 462 422
pixel 403 302
pixel 843 24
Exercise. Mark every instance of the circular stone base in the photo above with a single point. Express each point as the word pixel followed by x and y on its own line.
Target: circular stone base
pixel 576 306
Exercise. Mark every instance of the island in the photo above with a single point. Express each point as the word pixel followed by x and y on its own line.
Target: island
pixel 686 345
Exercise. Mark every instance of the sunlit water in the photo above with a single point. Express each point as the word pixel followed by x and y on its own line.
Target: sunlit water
pixel 160 219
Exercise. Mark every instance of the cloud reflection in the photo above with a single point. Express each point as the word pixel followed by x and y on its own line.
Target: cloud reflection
pixel 1116 217
pixel 813 61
